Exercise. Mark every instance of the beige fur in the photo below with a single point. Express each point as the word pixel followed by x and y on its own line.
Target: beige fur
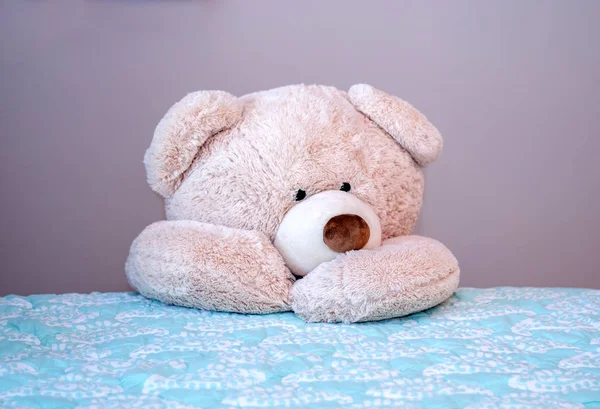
pixel 182 131
pixel 406 274
pixel 229 169
pixel 407 125
pixel 200 265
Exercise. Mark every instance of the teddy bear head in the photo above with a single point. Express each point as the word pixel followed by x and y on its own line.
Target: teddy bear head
pixel 319 171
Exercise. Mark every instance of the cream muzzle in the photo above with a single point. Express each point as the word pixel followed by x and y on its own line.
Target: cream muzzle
pixel 323 226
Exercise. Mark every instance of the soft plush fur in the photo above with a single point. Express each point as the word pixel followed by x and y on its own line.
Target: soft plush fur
pixel 229 169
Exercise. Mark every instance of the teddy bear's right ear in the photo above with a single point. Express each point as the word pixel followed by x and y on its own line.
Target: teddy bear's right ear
pixel 402 121
pixel 182 131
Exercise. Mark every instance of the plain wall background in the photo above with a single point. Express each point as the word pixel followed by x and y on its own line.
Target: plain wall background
pixel 514 87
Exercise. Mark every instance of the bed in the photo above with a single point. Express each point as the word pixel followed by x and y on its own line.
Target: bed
pixel 494 348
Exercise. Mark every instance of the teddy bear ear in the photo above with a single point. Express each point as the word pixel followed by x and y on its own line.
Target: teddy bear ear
pixel 182 131
pixel 402 121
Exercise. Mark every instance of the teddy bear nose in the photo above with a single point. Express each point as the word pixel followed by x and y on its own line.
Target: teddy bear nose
pixel 346 232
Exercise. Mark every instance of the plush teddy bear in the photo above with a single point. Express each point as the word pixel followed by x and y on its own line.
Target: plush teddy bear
pixel 300 198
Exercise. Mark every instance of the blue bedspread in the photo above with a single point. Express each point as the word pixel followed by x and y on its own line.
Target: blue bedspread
pixel 496 348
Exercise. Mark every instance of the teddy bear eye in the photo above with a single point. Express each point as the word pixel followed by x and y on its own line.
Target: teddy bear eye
pixel 345 187
pixel 300 194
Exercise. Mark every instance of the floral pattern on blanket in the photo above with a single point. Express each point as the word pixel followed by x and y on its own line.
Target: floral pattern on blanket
pixel 498 348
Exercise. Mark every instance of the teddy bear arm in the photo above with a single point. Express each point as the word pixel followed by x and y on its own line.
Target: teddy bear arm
pixel 405 275
pixel 210 267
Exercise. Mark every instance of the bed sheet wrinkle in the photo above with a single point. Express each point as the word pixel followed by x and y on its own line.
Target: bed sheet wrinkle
pixel 491 348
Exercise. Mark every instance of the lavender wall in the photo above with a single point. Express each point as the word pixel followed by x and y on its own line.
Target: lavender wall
pixel 514 87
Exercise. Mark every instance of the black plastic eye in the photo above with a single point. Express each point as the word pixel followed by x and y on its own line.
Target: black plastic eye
pixel 300 194
pixel 345 187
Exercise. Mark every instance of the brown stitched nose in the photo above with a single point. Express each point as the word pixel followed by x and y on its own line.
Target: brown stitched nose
pixel 346 232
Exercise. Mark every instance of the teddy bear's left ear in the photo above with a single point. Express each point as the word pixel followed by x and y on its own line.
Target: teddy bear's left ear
pixel 182 132
pixel 401 120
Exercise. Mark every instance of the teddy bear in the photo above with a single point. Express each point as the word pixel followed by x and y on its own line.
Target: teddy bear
pixel 301 198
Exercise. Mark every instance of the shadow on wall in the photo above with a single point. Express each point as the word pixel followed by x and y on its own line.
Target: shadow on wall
pixel 141 2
